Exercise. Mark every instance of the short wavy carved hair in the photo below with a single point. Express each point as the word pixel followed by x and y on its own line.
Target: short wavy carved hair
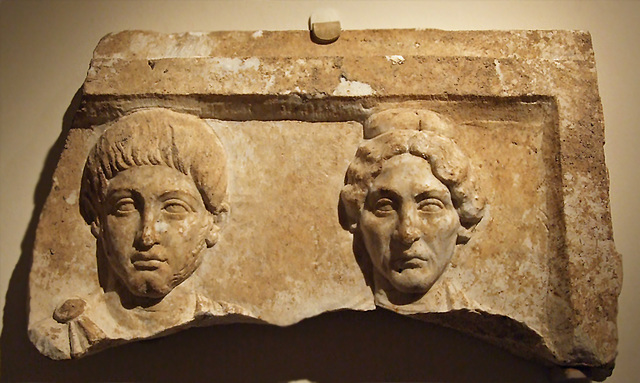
pixel 448 164
pixel 156 137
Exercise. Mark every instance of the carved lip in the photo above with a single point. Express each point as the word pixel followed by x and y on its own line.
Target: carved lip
pixel 147 261
pixel 406 261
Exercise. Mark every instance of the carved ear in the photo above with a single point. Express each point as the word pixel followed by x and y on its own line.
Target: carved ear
pixel 212 236
pixel 89 214
pixel 464 234
pixel 218 220
pixel 347 214
pixel 95 228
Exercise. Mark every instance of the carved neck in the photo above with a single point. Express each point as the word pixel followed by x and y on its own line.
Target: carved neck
pixel 179 304
pixel 438 298
pixel 388 297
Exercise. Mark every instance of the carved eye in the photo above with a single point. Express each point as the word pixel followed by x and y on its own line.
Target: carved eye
pixel 176 206
pixel 430 205
pixel 124 206
pixel 384 206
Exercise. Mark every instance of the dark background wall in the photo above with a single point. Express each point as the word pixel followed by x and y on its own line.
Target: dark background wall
pixel 45 48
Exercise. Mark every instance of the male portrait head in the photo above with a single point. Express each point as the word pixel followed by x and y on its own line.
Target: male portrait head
pixel 410 196
pixel 154 191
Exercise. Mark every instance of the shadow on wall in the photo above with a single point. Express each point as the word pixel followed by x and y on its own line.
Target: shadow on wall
pixel 339 346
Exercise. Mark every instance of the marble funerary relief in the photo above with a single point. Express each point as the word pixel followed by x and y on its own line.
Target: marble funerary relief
pixel 225 177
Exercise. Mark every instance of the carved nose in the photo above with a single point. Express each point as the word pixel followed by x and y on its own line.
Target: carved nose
pixel 148 232
pixel 407 230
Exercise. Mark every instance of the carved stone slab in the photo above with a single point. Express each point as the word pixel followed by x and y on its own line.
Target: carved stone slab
pixel 456 177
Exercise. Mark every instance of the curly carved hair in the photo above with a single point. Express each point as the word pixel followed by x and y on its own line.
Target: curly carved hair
pixel 156 137
pixel 448 164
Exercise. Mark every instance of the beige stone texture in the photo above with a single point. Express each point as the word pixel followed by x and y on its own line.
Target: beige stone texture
pixel 540 276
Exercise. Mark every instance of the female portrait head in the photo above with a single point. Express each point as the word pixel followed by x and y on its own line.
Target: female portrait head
pixel 154 191
pixel 412 198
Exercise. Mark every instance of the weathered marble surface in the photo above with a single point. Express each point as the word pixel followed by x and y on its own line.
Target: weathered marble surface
pixel 539 276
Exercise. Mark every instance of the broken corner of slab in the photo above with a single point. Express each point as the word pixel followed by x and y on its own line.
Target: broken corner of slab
pixel 257 177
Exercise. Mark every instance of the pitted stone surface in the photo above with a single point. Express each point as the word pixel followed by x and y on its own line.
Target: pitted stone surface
pixel 539 274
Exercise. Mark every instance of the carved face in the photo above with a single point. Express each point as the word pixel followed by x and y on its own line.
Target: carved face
pixel 409 224
pixel 153 227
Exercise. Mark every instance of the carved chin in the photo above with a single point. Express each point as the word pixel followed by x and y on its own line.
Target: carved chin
pixel 413 281
pixel 149 286
pixel 157 283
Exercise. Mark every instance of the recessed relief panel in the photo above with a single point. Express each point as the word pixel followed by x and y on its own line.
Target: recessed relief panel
pixel 453 177
pixel 457 211
pixel 284 251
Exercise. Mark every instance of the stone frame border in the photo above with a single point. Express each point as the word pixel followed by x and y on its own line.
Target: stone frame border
pixel 339 83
